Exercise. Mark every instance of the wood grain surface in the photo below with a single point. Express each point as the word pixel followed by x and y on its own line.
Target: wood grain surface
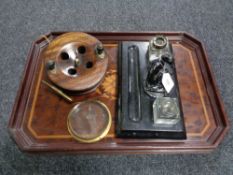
pixel 90 69
pixel 39 118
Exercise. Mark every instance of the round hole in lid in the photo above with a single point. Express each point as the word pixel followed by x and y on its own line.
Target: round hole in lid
pixel 72 71
pixel 81 49
pixel 65 56
pixel 89 64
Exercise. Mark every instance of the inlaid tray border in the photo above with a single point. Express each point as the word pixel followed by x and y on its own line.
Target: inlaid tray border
pixel 27 143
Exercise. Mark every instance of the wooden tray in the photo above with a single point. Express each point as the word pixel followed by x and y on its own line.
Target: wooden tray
pixel 39 118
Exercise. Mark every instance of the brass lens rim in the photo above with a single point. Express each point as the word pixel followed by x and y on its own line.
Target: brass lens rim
pixel 101 135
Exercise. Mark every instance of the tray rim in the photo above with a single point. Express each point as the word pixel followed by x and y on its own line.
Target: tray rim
pixel 26 144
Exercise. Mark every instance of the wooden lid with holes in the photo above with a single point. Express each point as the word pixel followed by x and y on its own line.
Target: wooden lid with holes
pixel 76 61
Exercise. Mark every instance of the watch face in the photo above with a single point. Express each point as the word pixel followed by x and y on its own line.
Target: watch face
pixel 89 121
pixel 166 111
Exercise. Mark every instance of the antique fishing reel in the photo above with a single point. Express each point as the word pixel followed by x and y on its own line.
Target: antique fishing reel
pixel 76 61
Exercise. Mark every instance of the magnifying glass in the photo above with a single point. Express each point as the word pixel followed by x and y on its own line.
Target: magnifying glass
pixel 89 121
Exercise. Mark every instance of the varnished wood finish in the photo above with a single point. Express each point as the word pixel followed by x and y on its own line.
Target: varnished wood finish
pixel 38 120
pixel 86 76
